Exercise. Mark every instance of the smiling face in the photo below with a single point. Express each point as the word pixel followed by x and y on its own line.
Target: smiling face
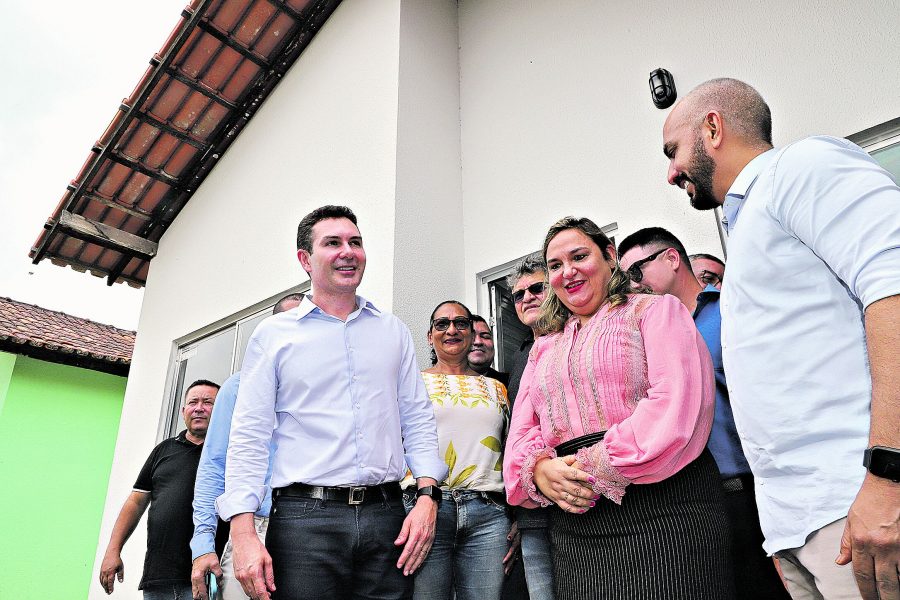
pixel 453 344
pixel 337 261
pixel 690 166
pixel 482 353
pixel 198 405
pixel 579 272
pixel 529 309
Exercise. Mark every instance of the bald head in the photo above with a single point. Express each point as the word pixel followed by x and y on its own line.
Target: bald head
pixel 742 109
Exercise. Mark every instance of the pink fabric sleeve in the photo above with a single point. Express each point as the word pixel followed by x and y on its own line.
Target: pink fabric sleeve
pixel 670 427
pixel 524 446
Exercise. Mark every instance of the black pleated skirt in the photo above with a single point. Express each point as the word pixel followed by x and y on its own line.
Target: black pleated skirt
pixel 667 540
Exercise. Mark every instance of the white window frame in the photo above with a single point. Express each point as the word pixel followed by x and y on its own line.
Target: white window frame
pixel 171 406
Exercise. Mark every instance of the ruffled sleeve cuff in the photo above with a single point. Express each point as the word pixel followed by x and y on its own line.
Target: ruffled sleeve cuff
pixel 609 481
pixel 533 454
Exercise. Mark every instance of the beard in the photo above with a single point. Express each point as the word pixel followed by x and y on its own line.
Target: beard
pixel 703 169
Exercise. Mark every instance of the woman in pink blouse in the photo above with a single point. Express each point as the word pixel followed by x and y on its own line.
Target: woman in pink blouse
pixel 610 425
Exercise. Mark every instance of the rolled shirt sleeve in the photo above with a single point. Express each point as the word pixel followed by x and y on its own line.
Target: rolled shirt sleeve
pixel 847 214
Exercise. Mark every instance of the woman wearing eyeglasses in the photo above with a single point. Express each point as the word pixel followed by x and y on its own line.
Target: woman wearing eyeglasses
pixel 472 414
pixel 612 417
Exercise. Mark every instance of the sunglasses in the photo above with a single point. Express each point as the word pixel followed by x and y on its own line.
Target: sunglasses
pixel 634 271
pixel 443 324
pixel 708 277
pixel 534 289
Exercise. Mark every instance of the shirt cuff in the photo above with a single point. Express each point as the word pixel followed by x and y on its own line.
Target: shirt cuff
pixel 238 501
pixel 427 467
pixel 202 543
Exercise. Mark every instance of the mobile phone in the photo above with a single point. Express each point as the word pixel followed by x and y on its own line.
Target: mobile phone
pixel 212 587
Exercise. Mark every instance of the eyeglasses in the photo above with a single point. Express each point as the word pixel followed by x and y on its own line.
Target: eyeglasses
pixel 534 289
pixel 709 278
pixel 634 271
pixel 443 324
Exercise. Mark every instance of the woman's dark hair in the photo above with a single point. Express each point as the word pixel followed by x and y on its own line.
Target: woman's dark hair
pixel 431 320
pixel 554 313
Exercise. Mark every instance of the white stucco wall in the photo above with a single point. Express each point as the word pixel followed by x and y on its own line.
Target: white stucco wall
pixel 557 117
pixel 326 135
pixel 429 235
pixel 460 133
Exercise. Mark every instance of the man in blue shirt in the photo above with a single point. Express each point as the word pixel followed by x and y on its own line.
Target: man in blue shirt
pixel 335 388
pixel 656 259
pixel 210 484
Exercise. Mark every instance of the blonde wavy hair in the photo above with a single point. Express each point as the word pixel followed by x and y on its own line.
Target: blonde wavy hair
pixel 554 313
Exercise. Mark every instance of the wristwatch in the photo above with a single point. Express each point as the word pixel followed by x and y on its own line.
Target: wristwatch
pixel 882 461
pixel 432 491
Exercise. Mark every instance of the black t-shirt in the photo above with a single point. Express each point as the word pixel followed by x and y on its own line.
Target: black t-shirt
pixel 495 374
pixel 168 475
pixel 520 361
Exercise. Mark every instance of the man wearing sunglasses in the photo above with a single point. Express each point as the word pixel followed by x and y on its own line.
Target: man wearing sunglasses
pixel 333 386
pixel 528 285
pixel 656 259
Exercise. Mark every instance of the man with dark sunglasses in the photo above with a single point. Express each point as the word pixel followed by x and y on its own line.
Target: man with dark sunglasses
pixel 529 288
pixel 656 259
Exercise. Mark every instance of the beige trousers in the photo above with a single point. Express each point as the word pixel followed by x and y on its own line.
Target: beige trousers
pixel 231 588
pixel 810 571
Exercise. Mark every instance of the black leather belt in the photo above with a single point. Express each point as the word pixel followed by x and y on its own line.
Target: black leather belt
pixel 738 484
pixel 576 444
pixel 361 494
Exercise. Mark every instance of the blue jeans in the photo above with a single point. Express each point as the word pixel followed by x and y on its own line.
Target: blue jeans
pixel 469 545
pixel 328 549
pixel 168 591
pixel 538 563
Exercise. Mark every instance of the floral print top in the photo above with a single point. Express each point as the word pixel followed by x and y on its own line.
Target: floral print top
pixel 472 414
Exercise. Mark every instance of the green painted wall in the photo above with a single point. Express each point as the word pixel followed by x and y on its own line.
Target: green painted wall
pixel 58 427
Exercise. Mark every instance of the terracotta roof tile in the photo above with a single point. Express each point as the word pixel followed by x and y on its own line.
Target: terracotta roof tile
pixel 22 324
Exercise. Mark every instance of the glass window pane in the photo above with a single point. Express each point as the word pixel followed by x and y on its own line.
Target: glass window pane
pixel 889 158
pixel 509 331
pixel 209 358
pixel 245 330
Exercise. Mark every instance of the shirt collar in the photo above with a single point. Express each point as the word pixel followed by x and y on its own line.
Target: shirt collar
pixel 307 306
pixel 740 188
pixel 706 295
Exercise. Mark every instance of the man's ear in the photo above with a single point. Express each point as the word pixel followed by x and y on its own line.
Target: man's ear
pixel 713 128
pixel 303 257
pixel 674 258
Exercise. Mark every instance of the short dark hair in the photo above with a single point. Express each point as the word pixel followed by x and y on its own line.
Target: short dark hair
pixel 742 106
pixel 531 264
pixel 201 382
pixel 480 319
pixel 330 211
pixel 279 306
pixel 707 257
pixel 654 236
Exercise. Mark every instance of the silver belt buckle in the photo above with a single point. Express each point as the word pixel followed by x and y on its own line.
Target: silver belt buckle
pixel 357 495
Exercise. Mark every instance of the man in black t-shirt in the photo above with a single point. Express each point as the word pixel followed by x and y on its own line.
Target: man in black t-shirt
pixel 166 484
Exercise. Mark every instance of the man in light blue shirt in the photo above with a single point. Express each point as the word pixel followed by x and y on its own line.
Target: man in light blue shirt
pixel 210 484
pixel 810 335
pixel 335 387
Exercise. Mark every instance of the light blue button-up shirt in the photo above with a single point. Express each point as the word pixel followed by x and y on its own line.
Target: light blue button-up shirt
pixel 342 402
pixel 210 481
pixel 817 241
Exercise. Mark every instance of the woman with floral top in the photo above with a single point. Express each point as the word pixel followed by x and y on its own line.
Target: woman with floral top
pixel 471 412
pixel 612 417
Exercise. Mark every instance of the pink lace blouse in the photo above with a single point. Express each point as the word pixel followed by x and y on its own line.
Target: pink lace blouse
pixel 639 371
